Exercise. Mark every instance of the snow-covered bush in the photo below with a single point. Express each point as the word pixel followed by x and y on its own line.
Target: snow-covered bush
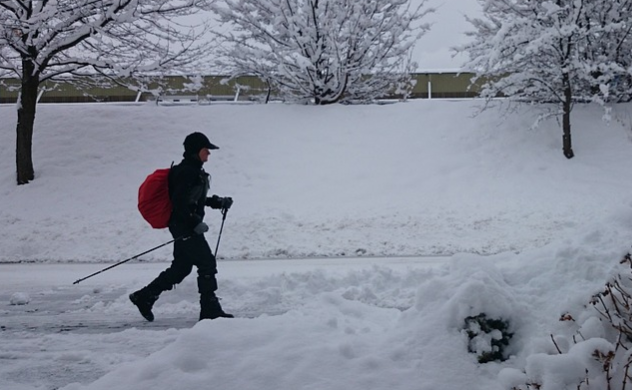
pixel 598 355
pixel 488 337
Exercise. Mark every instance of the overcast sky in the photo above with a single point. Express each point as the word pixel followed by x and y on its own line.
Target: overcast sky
pixel 433 51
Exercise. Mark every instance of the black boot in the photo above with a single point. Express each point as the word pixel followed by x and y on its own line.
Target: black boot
pixel 211 309
pixel 144 300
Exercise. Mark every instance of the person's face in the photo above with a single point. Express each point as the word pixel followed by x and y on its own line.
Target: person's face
pixel 204 154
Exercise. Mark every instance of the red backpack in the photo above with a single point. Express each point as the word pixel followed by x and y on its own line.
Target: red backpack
pixel 154 203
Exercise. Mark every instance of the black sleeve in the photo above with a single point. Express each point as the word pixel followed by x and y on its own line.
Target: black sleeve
pixel 214 202
pixel 182 197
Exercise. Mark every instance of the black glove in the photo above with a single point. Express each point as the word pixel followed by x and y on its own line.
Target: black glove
pixel 200 228
pixel 226 202
pixel 217 202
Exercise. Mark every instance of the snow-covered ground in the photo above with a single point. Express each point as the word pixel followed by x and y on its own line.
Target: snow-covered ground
pixel 322 255
pixel 421 178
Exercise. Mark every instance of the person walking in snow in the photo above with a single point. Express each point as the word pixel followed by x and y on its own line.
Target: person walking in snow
pixel 188 188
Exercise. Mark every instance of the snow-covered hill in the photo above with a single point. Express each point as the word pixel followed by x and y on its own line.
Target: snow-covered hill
pixel 416 178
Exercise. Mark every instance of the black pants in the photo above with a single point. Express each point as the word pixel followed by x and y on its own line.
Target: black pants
pixel 194 251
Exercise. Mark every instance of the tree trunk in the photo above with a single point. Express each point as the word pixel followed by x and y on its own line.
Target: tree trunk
pixel 269 93
pixel 26 118
pixel 567 145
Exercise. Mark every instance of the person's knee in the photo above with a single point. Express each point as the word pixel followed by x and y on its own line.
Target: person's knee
pixel 207 283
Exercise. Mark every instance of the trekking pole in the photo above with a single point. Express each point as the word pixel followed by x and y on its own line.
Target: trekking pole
pixel 224 211
pixel 131 258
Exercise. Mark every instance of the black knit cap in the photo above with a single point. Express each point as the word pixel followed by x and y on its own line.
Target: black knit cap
pixel 194 142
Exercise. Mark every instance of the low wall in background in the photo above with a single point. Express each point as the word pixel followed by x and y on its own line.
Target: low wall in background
pixel 435 85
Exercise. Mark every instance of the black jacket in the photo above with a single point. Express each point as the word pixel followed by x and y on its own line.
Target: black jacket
pixel 188 189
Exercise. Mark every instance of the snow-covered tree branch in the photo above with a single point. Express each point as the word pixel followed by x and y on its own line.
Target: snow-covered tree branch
pixel 43 39
pixel 607 57
pixel 323 51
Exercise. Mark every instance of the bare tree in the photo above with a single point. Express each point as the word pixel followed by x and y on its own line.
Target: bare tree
pixel 324 51
pixel 537 51
pixel 43 39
